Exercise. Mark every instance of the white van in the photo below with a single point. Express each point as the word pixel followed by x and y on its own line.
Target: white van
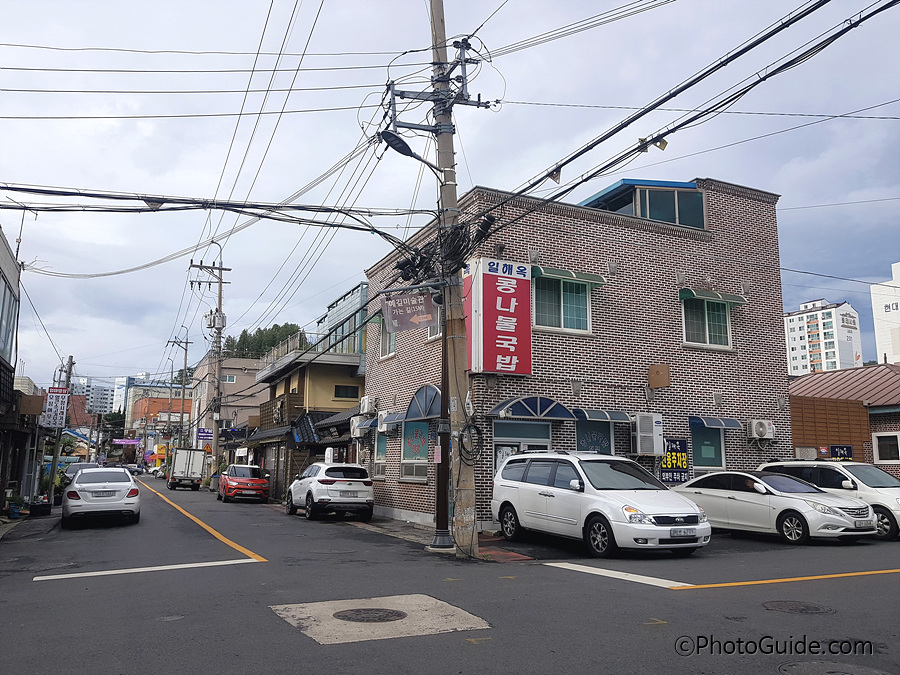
pixel 851 479
pixel 609 502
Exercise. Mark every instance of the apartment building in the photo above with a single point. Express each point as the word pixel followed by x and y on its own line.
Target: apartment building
pixel 822 336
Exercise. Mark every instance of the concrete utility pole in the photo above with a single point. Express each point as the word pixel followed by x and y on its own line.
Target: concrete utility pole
pixel 184 345
pixel 216 321
pixel 56 448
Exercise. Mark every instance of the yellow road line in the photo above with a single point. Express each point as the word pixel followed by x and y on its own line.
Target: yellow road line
pixel 220 537
pixel 785 580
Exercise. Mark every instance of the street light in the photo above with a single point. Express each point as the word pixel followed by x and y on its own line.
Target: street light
pixel 395 142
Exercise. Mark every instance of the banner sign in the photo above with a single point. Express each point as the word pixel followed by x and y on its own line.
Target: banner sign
pixel 498 316
pixel 57 404
pixel 674 467
pixel 126 441
pixel 204 434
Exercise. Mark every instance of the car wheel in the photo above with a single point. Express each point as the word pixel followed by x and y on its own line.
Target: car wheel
pixel 599 538
pixel 195 488
pixel 170 485
pixel 65 523
pixel 289 507
pixel 218 495
pixel 683 552
pixel 310 508
pixel 793 528
pixel 885 524
pixel 365 516
pixel 225 498
pixel 509 523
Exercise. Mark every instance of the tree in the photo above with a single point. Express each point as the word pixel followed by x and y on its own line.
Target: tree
pixel 183 376
pixel 256 344
pixel 870 363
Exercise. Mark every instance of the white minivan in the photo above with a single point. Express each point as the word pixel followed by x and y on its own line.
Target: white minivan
pixel 863 481
pixel 609 502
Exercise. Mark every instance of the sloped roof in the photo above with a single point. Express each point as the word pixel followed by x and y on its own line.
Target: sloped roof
pixel 341 417
pixel 879 385
pixel 304 426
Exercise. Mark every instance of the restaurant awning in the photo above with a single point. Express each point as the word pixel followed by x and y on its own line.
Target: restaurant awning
pixel 689 293
pixel 601 415
pixel 532 407
pixel 425 404
pixel 714 422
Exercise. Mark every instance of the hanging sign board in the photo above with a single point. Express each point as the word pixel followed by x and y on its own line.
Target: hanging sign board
pixel 408 311
pixel 57 404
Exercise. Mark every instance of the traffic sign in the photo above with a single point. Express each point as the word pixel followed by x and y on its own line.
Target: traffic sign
pixel 408 311
pixel 207 448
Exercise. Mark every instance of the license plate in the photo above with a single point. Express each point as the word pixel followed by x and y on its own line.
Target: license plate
pixel 103 493
pixel 683 532
pixel 248 492
pixel 348 493
pixel 862 523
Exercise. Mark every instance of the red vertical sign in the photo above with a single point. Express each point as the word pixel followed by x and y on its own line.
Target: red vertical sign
pixel 498 299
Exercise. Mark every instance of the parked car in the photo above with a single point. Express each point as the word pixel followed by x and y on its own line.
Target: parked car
pixel 75 467
pixel 863 481
pixel 609 502
pixel 762 501
pixel 241 481
pixel 332 488
pixel 134 469
pixel 101 491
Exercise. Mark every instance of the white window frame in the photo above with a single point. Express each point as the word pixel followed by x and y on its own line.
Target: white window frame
pixel 388 342
pixel 876 455
pixel 435 332
pixel 562 328
pixel 707 345
pixel 228 379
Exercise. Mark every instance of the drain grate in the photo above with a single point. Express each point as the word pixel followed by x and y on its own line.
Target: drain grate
pixel 370 615
pixel 797 607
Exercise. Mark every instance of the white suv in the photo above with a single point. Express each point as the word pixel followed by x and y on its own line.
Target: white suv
pixel 609 502
pixel 332 488
pixel 851 479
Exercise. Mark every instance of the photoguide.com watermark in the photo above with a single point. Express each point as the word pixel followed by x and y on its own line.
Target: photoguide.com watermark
pixel 698 645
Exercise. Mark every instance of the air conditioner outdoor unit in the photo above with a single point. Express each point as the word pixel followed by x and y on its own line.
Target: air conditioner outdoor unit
pixel 647 435
pixel 355 431
pixel 382 427
pixel 760 429
pixel 367 405
pixel 329 455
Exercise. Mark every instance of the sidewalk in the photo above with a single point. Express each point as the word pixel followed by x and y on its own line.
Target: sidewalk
pixel 38 524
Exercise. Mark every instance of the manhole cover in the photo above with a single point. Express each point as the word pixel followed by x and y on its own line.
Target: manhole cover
pixel 797 607
pixel 370 615
pixel 174 617
pixel 827 668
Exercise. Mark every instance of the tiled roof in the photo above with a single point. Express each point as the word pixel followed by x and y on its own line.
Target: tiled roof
pixel 879 385
pixel 341 417
pixel 304 426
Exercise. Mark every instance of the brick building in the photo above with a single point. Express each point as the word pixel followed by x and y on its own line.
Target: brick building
pixel 650 298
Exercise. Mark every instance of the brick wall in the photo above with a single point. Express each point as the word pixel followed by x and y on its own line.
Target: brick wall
pixel 635 322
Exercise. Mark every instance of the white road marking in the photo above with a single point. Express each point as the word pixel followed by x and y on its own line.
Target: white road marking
pixel 136 570
pixel 637 578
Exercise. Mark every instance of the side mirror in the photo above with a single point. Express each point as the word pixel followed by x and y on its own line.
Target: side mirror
pixel 760 488
pixel 848 485
pixel 576 484
pixel 297 477
pixel 266 476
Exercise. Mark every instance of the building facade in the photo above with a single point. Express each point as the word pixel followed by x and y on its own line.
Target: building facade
pixel 886 314
pixel 99 398
pixel 645 321
pixel 822 336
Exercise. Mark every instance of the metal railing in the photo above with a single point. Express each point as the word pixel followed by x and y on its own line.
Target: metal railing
pixel 302 341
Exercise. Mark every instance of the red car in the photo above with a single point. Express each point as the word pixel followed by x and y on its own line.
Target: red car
pixel 241 481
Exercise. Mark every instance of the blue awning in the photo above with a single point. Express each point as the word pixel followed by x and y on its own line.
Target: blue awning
pixel 393 418
pixel 601 415
pixel 532 407
pixel 368 424
pixel 425 404
pixel 714 422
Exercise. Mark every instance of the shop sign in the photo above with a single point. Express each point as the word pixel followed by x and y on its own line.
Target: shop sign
pixel 498 316
pixel 415 441
pixel 674 467
pixel 842 451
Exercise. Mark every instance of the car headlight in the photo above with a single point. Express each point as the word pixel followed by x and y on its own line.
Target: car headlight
pixel 701 518
pixel 637 516
pixel 821 508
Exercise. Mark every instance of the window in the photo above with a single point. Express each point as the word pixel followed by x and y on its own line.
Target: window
pixel 886 448
pixel 345 391
pixel 706 322
pixel 561 304
pixel 829 335
pixel 707 447
pixel 828 324
pixel 228 379
pixel 388 340
pixel 414 458
pixel 435 331
pixel 829 355
pixel 565 474
pixel 793 329
pixel 380 464
pixel 539 472
pixel 826 315
pixel 680 207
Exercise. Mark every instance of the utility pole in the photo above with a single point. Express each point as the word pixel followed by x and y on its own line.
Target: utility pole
pixel 215 320
pixel 184 345
pixel 56 448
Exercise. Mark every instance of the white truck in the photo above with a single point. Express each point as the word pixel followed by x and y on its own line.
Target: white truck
pixel 186 468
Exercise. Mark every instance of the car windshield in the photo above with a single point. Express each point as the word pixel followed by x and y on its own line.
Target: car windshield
pixel 72 469
pixel 788 484
pixel 246 472
pixel 872 476
pixel 355 472
pixel 606 475
pixel 111 476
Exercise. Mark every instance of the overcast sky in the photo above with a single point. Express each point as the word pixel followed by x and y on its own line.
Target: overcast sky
pixel 141 97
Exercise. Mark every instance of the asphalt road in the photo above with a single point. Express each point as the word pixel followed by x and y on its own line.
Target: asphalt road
pixel 204 587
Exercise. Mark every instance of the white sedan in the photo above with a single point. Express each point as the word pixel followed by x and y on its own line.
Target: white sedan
pixel 762 501
pixel 103 491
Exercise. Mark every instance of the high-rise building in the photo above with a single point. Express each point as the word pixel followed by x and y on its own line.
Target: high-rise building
pixel 886 314
pixel 822 336
pixel 99 397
